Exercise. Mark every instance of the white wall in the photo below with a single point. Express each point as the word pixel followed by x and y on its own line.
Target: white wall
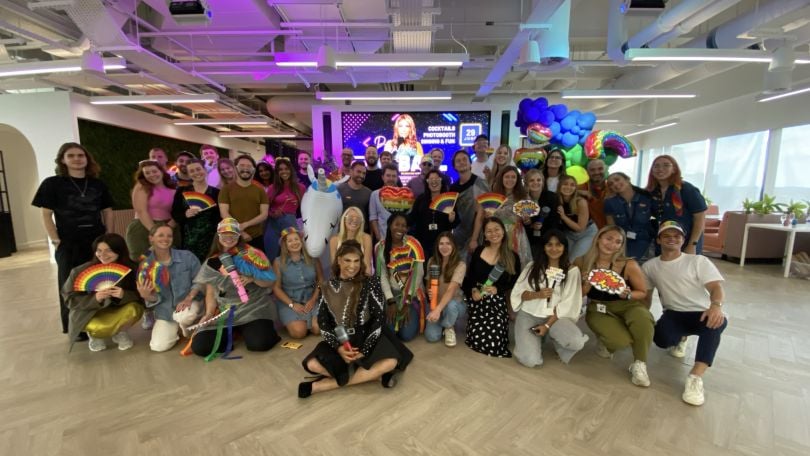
pixel 37 125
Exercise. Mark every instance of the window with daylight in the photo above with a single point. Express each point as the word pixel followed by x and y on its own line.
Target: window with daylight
pixel 791 175
pixel 739 169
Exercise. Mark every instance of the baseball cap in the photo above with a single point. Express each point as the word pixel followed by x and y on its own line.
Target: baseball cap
pixel 228 225
pixel 671 225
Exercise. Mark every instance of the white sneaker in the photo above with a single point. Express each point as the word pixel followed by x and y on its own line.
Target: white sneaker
pixel 693 391
pixel 123 340
pixel 679 351
pixel 638 370
pixel 450 337
pixel 96 345
pixel 602 351
pixel 148 321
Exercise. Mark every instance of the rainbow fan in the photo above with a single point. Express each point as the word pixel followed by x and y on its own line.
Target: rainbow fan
pixel 396 199
pixel 154 271
pixel 200 200
pixel 444 202
pixel 100 277
pixel 415 248
pixel 491 202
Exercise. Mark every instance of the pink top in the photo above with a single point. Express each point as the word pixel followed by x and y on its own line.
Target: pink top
pixel 285 200
pixel 159 204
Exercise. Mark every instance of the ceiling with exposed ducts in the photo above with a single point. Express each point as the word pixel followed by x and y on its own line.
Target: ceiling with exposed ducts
pixel 270 57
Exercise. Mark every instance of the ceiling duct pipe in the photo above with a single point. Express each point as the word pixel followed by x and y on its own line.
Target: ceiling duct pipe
pixel 723 36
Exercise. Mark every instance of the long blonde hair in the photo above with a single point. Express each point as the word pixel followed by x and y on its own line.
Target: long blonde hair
pixel 590 257
pixel 285 253
pixel 496 168
pixel 342 232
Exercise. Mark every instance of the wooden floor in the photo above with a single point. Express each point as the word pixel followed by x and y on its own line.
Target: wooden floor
pixel 450 401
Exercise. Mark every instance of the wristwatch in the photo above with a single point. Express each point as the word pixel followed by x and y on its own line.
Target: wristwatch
pixel 716 303
pixel 391 301
pixel 694 243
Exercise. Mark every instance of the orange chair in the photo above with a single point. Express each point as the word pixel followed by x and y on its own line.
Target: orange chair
pixel 713 241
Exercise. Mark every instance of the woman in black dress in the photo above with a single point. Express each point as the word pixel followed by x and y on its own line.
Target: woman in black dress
pixel 487 291
pixel 76 209
pixel 352 305
pixel 425 223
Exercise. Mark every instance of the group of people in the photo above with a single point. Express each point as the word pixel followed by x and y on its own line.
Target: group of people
pixel 393 274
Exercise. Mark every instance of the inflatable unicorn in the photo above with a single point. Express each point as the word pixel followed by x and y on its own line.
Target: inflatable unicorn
pixel 321 208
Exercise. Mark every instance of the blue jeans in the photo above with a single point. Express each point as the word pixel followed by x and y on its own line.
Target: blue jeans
pixel 272 233
pixel 407 331
pixel 450 314
pixel 673 325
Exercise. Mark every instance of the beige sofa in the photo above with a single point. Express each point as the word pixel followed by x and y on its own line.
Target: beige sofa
pixel 762 244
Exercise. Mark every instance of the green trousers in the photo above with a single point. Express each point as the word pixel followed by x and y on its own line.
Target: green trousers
pixel 626 323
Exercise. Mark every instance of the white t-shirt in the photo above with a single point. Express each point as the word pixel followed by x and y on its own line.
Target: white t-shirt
pixel 477 168
pixel 681 282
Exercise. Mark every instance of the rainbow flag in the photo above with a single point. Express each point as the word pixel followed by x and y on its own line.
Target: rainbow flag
pixel 100 277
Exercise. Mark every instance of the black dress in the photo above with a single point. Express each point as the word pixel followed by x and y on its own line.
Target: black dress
pixel 367 332
pixel 488 322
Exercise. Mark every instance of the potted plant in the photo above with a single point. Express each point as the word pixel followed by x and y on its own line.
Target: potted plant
pixel 748 206
pixel 767 205
pixel 797 208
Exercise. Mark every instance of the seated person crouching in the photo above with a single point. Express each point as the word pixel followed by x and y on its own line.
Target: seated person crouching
pixel 248 310
pixel 109 312
pixel 357 345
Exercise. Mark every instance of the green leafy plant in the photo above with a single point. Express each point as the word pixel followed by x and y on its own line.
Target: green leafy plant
pixel 767 205
pixel 707 199
pixel 796 207
pixel 748 205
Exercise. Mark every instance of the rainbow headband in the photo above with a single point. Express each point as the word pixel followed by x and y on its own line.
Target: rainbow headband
pixel 290 230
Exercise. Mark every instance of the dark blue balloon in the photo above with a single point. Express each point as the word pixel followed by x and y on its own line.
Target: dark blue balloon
pixel 541 103
pixel 532 115
pixel 559 111
pixel 546 118
pixel 525 104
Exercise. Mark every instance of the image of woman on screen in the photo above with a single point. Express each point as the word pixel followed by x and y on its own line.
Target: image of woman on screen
pixel 404 144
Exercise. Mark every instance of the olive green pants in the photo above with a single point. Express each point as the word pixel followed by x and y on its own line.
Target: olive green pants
pixel 626 323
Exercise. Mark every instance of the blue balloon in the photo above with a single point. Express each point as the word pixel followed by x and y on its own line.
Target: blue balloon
pixel 532 115
pixel 525 104
pixel 541 103
pixel 523 129
pixel 586 120
pixel 584 133
pixel 558 138
pixel 569 140
pixel 568 122
pixel 546 118
pixel 559 111
pixel 575 129
pixel 582 140
pixel 555 128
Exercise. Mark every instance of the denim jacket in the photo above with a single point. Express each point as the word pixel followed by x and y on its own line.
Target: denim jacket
pixel 182 271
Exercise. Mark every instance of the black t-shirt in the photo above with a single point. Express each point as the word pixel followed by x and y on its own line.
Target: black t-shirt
pixel 374 180
pixel 76 204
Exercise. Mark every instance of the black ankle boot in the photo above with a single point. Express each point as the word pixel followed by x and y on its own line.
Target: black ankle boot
pixel 305 389
pixel 388 380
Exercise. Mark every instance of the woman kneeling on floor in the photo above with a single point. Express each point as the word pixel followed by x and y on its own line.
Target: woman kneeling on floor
pixel 357 345
pixel 108 312
pixel 548 298
pixel 237 278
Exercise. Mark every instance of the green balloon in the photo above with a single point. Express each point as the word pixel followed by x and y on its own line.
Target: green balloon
pixel 610 157
pixel 575 157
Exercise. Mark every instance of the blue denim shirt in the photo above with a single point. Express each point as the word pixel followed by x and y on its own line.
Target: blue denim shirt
pixel 634 217
pixel 182 271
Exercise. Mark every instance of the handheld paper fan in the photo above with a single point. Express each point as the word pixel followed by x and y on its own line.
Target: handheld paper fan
pixel 607 280
pixel 100 277
pixel 200 200
pixel 154 271
pixel 490 202
pixel 444 202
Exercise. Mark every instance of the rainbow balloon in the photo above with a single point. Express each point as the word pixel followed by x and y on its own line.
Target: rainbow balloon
pixel 491 201
pixel 200 200
pixel 100 277
pixel 538 134
pixel 396 199
pixel 601 141
pixel 527 159
pixel 444 202
pixel 154 271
